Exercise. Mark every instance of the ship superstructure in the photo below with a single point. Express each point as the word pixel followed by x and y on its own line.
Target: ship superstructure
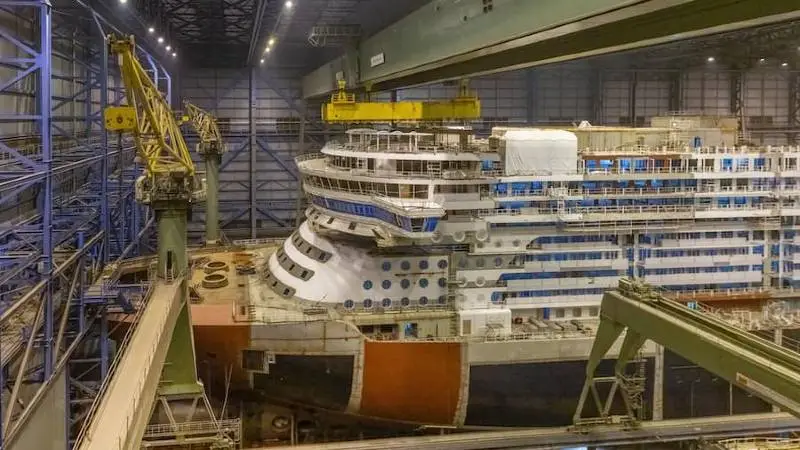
pixel 527 226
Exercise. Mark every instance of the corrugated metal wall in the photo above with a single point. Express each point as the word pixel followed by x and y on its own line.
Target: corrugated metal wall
pixel 262 164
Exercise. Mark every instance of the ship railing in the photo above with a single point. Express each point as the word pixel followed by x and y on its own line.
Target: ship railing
pixel 232 428
pixel 443 174
pixel 629 191
pixel 761 443
pixel 399 147
pixel 257 242
pixel 622 210
pixel 309 157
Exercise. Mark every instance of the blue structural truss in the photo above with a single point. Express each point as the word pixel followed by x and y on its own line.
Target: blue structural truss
pixel 67 210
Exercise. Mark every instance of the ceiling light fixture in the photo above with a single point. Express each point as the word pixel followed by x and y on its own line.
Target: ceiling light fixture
pixel 268 49
pixel 762 60
pixel 710 59
pixel 271 41
pixel 288 4
pixel 784 64
pixel 151 30
pixel 262 60
pixel 123 1
pixel 160 40
pixel 169 47
pixel 174 54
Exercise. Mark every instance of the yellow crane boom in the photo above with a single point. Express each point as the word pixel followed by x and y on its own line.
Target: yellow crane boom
pixel 204 124
pixel 158 137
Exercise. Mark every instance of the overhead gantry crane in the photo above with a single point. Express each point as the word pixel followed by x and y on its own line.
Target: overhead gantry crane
pixel 155 379
pixel 343 107
pixel 212 148
pixel 765 369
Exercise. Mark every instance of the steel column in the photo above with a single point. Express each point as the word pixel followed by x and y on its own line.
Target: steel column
pixel 253 150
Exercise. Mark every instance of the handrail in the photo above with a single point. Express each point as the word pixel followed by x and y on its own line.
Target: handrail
pixel 113 367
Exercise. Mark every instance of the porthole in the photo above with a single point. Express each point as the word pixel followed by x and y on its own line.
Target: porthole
pixel 516 243
pixel 423 264
pixel 405 265
pixel 405 284
pixel 368 285
pixel 442 299
pixel 498 244
pixel 367 303
pixel 386 266
pixel 405 301
pixel 387 302
pixel 386 284
pixel 498 261
pixel 442 264
pixel 423 282
pixel 349 304
pixel 423 300
pixel 442 282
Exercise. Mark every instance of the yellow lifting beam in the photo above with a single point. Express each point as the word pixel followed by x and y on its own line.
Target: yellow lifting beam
pixel 343 107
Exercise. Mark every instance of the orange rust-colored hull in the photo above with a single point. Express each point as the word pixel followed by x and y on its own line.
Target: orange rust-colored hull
pixel 416 381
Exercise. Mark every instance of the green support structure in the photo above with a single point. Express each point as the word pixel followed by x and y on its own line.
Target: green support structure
pixel 212 161
pixel 761 367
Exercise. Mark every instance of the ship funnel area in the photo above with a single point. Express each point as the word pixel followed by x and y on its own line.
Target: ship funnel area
pixel 642 312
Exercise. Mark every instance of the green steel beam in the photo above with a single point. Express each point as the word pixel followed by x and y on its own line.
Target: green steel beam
pixel 768 370
pixel 449 39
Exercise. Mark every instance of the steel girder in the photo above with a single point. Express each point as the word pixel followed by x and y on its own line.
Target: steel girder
pixel 74 211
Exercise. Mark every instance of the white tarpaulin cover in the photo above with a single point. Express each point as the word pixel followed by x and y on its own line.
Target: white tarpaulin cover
pixel 542 152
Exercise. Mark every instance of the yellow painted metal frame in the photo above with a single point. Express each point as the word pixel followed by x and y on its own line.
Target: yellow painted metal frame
pixel 203 122
pixel 343 107
pixel 158 137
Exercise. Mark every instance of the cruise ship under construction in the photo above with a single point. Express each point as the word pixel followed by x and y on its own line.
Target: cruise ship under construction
pixel 446 279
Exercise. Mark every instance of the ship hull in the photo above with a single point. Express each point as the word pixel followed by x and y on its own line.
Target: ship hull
pixel 329 366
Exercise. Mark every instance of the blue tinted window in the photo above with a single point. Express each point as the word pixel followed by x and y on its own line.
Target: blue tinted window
pixel 423 300
pixel 423 264
pixel 442 282
pixel 405 301
pixel 405 265
pixel 368 284
pixel 387 302
pixel 423 282
pixel 386 266
pixel 405 284
pixel 349 304
pixel 367 303
pixel 386 284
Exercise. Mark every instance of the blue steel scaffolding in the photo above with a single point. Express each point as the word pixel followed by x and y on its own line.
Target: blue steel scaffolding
pixel 67 209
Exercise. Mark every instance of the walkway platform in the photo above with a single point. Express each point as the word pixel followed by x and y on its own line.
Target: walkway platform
pixel 706 428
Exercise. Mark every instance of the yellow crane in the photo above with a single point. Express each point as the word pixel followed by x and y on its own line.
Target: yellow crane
pixel 212 148
pixel 169 186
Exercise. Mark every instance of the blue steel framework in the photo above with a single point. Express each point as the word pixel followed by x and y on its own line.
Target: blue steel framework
pixel 264 127
pixel 85 217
